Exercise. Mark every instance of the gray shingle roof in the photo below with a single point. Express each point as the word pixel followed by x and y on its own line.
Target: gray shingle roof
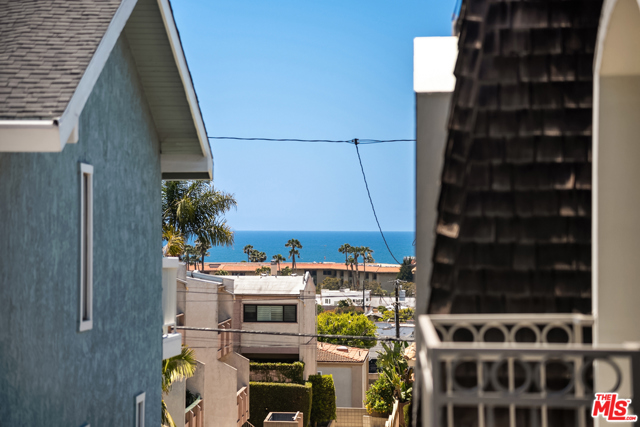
pixel 45 47
pixel 514 226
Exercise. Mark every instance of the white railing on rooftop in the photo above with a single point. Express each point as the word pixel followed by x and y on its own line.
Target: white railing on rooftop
pixel 468 379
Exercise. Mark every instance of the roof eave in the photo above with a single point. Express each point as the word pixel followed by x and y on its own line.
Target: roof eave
pixel 189 167
pixel 34 136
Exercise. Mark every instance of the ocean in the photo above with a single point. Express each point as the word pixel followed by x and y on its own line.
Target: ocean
pixel 317 246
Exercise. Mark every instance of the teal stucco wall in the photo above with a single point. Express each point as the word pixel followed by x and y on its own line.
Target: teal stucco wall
pixel 51 374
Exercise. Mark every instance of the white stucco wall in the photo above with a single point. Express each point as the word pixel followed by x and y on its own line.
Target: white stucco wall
pixel 434 60
pixel 350 380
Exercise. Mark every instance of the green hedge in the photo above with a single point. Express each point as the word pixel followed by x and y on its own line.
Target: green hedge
pixel 277 397
pixel 277 372
pixel 323 406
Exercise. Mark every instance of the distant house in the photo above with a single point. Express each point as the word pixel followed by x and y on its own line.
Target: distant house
pixel 349 367
pixel 96 108
pixel 271 304
pixel 330 299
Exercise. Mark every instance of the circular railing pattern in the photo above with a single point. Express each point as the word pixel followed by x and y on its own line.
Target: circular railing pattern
pixel 534 372
pixel 509 331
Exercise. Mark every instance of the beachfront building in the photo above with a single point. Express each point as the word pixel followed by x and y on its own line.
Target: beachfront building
pixel 349 367
pixel 329 299
pixel 384 274
pixel 96 108
pixel 271 304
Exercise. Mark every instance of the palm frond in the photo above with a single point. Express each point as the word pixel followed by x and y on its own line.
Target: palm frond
pixel 178 368
pixel 167 421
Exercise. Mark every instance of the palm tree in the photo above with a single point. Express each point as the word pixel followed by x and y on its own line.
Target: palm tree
pixel 190 255
pixel 257 256
pixel 350 262
pixel 195 209
pixel 293 244
pixel 366 252
pixel 344 249
pixel 175 369
pixel 175 242
pixel 278 258
pixel 202 246
pixel 247 250
pixel 356 251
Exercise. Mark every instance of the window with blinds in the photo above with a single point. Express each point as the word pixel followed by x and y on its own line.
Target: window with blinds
pixel 270 313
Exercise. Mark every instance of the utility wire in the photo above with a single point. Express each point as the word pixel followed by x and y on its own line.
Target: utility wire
pixel 329 141
pixel 356 143
pixel 293 334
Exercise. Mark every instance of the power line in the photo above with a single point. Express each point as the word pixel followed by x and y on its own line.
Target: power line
pixel 328 141
pixel 293 334
pixel 356 143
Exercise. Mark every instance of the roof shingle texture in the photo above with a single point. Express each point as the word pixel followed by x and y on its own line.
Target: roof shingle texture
pixel 514 226
pixel 330 353
pixel 45 47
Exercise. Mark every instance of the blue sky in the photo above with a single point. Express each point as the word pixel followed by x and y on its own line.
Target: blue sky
pixel 310 69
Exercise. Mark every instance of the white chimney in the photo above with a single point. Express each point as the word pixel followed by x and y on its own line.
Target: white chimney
pixel 274 268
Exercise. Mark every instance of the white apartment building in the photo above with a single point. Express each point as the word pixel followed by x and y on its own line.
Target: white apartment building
pixel 329 298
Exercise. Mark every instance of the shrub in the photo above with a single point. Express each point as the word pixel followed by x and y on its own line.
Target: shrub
pixel 277 372
pixel 274 397
pixel 323 405
pixel 407 414
pixel 380 397
pixel 346 324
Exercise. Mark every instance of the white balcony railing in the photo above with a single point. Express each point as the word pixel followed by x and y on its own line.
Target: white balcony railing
pixel 517 370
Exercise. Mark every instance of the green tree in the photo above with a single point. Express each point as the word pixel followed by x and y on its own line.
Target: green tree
pixel 202 247
pixel 396 369
pixel 175 369
pixel 319 308
pixel 247 250
pixel 286 271
pixel 410 287
pixel 330 283
pixel 405 272
pixel 404 314
pixel 175 241
pixel 357 251
pixel 257 256
pixel 195 210
pixel 190 255
pixel 330 323
pixel 294 244
pixel 278 258
pixel 221 273
pixel 375 288
pixel 345 303
pixel 345 249
pixel 265 269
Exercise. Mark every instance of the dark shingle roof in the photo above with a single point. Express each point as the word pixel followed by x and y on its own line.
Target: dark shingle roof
pixel 45 47
pixel 514 226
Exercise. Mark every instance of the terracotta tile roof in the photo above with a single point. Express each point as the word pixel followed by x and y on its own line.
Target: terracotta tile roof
pixel 252 266
pixel 330 353
pixel 514 226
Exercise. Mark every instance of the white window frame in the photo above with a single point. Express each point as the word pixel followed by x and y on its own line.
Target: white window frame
pixel 140 403
pixel 86 248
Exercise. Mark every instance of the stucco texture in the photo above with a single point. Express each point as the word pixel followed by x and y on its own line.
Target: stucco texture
pixel 51 374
